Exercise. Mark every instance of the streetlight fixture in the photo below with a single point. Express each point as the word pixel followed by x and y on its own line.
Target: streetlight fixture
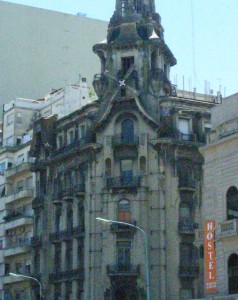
pixel 28 277
pixel 146 249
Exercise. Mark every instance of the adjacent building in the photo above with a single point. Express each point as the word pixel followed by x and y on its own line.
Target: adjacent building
pixel 42 49
pixel 18 185
pixel 220 192
pixel 131 156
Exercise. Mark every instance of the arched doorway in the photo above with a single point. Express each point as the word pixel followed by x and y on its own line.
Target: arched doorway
pixel 233 274
pixel 232 203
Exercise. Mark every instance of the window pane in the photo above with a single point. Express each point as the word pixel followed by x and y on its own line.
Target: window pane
pixel 184 125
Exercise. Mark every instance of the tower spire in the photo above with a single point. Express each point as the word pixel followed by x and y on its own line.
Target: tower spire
pixel 129 7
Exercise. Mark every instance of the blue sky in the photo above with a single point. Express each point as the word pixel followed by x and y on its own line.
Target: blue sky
pixel 209 52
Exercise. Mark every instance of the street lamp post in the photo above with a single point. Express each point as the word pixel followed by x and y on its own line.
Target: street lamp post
pixel 29 277
pixel 146 249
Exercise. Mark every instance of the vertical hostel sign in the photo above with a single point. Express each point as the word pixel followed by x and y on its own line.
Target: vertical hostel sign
pixel 210 257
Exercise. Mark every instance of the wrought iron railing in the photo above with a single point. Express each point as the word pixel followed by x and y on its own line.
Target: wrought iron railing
pixel 123 181
pixel 188 271
pixel 119 140
pixel 66 234
pixel 123 269
pixel 186 225
pixel 19 242
pixel 67 275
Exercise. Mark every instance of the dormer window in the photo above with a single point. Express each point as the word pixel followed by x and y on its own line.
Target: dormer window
pixel 126 63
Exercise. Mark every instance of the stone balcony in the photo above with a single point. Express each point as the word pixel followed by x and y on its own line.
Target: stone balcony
pixel 20 221
pixel 24 194
pixel 17 170
pixel 17 247
pixel 227 229
pixel 120 228
pixel 120 141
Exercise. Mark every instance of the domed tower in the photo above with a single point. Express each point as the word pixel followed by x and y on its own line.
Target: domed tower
pixel 134 57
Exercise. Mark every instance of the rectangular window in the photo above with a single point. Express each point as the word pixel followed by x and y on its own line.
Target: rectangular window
pixel 20 186
pixel 207 127
pixel 20 159
pixel 58 258
pixel 126 63
pixel 2 166
pixel 29 183
pixel 69 256
pixel 10 119
pixel 19 120
pixel 19 140
pixel 82 131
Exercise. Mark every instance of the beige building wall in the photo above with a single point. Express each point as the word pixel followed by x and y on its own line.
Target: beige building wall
pixel 220 174
pixel 42 49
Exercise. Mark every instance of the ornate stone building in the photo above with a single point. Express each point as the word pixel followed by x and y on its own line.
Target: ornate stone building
pixel 130 156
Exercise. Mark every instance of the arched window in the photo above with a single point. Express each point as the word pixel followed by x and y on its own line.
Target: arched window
pixel 124 211
pixel 127 131
pixel 232 203
pixel 108 167
pixel 142 165
pixel 233 273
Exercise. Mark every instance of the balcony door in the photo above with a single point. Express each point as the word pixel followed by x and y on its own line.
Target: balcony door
pixel 123 256
pixel 127 131
pixel 126 172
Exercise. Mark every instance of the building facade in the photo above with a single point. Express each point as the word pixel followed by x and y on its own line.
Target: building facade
pixel 220 193
pixel 44 49
pixel 131 156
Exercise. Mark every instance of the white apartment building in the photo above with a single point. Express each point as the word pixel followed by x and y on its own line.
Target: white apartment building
pixel 17 182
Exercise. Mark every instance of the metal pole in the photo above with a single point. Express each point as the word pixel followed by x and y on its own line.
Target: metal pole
pixel 29 277
pixel 146 250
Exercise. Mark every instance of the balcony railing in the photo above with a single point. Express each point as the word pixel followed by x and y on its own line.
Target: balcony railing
pixel 67 234
pixel 38 201
pixel 77 274
pixel 118 140
pixel 117 228
pixel 18 169
pixel 69 191
pixel 186 226
pixel 123 181
pixel 19 242
pixel 16 215
pixel 228 228
pixel 187 137
pixel 25 193
pixel 188 271
pixel 186 182
pixel 123 269
pixel 74 146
